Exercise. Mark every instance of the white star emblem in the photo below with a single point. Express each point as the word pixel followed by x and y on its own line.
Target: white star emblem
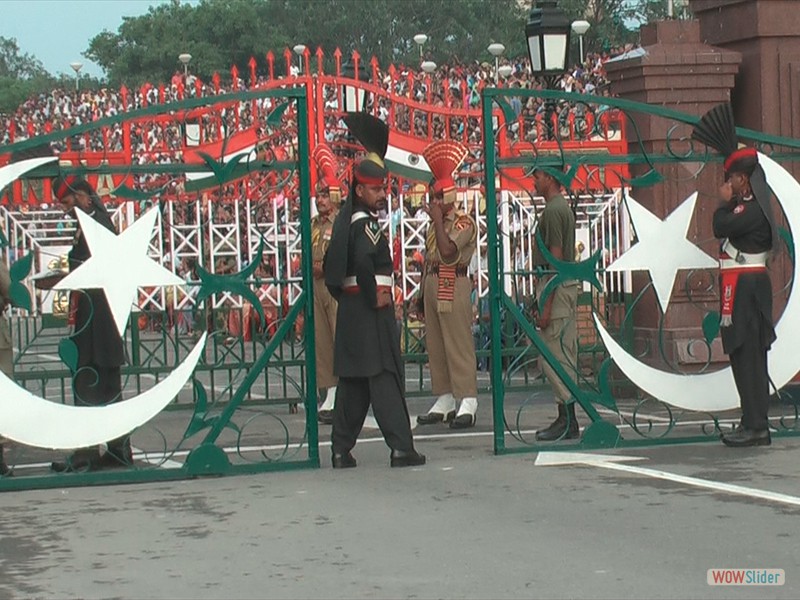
pixel 118 265
pixel 662 247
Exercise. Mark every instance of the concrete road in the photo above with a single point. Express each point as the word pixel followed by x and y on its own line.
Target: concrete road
pixel 467 525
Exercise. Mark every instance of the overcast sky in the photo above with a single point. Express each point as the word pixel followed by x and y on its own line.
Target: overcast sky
pixel 58 31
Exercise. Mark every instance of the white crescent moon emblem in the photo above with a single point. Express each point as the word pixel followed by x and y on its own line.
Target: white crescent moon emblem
pixel 34 421
pixel 713 392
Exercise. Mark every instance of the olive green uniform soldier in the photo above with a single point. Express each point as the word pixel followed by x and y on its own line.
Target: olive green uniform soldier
pixel 556 319
pixel 447 295
pixel 325 306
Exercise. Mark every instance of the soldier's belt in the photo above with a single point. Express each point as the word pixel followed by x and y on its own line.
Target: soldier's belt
pixel 383 282
pixel 461 270
pixel 743 261
pixel 732 258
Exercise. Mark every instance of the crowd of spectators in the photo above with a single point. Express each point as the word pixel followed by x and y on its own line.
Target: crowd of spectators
pixel 452 89
pixel 442 104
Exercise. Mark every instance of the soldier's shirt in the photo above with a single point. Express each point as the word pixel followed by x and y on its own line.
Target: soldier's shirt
pixel 463 232
pixel 321 230
pixel 370 255
pixel 744 224
pixel 557 229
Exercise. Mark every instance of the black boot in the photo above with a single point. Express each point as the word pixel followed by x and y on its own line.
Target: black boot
pixel 5 470
pixel 343 460
pixel 742 438
pixel 118 454
pixel 565 427
pixel 85 459
pixel 406 458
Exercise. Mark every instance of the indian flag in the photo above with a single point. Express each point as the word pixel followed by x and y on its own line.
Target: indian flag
pixel 404 157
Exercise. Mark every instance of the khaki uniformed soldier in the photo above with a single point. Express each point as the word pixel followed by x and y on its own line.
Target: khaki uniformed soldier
pixel 446 288
pixel 6 349
pixel 328 199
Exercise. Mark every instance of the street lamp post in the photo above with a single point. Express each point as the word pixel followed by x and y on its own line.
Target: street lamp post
pixel 496 50
pixel 580 28
pixel 429 67
pixel 299 49
pixel 547 33
pixel 420 40
pixel 185 58
pixel 76 66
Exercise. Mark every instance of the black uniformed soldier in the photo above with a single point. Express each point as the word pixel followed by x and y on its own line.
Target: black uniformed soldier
pixel 358 272
pixel 746 228
pixel 100 349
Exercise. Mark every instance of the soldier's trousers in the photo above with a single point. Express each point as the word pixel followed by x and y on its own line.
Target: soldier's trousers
pixel 97 386
pixel 324 333
pixel 353 398
pixel 749 366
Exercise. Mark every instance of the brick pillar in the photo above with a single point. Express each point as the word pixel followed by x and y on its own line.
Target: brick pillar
pixel 675 71
pixel 767 34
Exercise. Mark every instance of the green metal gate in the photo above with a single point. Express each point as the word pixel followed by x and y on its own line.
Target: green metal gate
pixel 233 418
pixel 619 412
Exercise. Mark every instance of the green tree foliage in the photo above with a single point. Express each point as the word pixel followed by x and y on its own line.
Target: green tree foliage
pixel 613 22
pixel 21 75
pixel 221 33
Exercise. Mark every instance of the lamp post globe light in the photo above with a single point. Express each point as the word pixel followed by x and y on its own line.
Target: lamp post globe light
pixel 496 50
pixel 505 70
pixel 185 58
pixel 420 40
pixel 580 28
pixel 299 49
pixel 76 66
pixel 428 66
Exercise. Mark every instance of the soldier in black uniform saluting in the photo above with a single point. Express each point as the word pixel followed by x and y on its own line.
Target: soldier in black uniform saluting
pixel 746 228
pixel 100 348
pixel 358 273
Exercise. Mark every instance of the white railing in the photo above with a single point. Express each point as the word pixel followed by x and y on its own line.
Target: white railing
pixel 224 238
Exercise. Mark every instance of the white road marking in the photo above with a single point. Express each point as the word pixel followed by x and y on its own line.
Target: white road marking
pixel 613 463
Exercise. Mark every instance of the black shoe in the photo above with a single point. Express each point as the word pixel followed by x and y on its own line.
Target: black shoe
pixel 464 421
pixel 80 461
pixel 113 460
pixel 325 417
pixel 435 417
pixel 741 437
pixel 403 458
pixel 565 427
pixel 343 461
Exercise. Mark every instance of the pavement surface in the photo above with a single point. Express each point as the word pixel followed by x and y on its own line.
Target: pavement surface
pixel 466 525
